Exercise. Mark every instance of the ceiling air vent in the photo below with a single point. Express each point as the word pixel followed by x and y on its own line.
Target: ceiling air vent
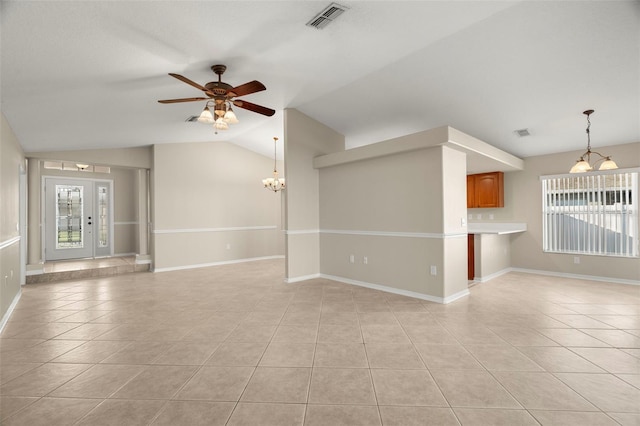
pixel 191 119
pixel 328 15
pixel 522 132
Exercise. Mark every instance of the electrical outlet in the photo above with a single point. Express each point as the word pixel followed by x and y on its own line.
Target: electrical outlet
pixel 228 246
pixel 479 216
pixel 352 258
pixel 463 221
pixel 470 216
pixel 576 260
pixel 434 270
pixel 491 217
pixel 365 260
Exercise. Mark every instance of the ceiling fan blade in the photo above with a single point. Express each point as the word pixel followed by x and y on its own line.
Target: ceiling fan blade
pixel 253 107
pixel 191 83
pixel 246 89
pixel 173 101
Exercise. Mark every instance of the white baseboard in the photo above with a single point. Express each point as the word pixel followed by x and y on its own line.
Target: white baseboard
pixel 443 300
pixel 7 314
pixel 224 262
pixel 456 296
pixel 576 276
pixel 492 276
pixel 301 278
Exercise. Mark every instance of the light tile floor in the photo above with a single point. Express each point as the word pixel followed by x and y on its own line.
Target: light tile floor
pixel 234 345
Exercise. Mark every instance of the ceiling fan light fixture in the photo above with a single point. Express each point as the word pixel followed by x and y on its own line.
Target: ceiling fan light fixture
pixel 220 124
pixel 205 116
pixel 230 117
pixel 220 109
pixel 220 96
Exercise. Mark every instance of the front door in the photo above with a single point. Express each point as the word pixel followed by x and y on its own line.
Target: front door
pixel 77 219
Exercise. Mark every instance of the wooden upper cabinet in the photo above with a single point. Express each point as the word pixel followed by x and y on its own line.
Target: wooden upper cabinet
pixel 485 190
pixel 471 191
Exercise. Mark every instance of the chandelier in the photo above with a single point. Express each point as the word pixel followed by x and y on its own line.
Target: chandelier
pixel 584 162
pixel 221 117
pixel 274 183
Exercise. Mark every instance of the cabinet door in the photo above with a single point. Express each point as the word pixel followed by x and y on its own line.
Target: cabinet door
pixel 471 189
pixel 489 190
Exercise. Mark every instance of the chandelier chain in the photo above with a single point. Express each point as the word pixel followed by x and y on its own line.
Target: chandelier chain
pixel 588 133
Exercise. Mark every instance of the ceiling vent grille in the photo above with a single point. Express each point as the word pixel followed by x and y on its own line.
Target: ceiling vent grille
pixel 327 16
pixel 522 132
pixel 192 119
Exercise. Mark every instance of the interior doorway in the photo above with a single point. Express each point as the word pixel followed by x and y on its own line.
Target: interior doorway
pixel 78 218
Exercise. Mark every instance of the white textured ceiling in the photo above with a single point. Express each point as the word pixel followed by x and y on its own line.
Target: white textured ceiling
pixel 87 74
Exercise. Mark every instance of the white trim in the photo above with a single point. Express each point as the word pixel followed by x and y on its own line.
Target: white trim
pixel 225 262
pixel 492 276
pixel 126 223
pixel 23 220
pixel 302 231
pixel 9 242
pixel 7 314
pixel 456 296
pixel 393 234
pixel 577 276
pixel 301 278
pixel 399 291
pixel 233 228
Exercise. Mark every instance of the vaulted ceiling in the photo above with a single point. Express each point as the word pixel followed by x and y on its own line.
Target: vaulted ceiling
pixel 88 74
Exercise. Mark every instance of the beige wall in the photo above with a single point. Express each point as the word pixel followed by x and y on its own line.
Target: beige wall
pixel 492 253
pixel 11 162
pixel 200 190
pixel 304 139
pixel 403 213
pixel 523 204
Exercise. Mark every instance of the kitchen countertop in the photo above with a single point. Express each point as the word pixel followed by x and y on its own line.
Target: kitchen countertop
pixel 499 228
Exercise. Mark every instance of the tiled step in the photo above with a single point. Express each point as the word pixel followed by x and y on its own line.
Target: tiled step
pixel 88 271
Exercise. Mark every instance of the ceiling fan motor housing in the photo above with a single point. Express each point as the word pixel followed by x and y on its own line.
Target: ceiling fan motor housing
pixel 218 87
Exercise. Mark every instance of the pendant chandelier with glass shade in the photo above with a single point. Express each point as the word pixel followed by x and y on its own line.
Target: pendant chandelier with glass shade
pixel 274 183
pixel 221 117
pixel 584 162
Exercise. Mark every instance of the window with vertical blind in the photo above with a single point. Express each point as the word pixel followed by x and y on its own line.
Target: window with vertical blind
pixel 591 213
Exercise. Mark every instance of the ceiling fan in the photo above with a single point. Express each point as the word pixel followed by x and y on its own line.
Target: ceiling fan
pixel 221 96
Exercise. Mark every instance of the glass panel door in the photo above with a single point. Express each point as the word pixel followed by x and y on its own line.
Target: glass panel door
pixel 68 219
pixel 78 218
pixel 69 214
